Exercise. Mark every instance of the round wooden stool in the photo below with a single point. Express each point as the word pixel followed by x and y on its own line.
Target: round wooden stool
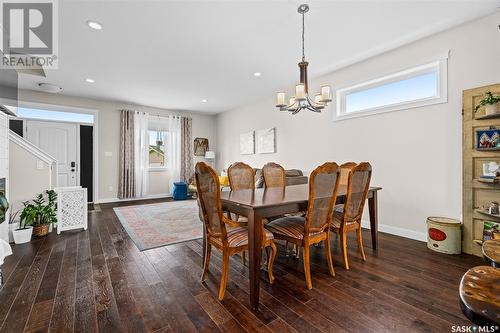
pixel 480 295
pixel 491 252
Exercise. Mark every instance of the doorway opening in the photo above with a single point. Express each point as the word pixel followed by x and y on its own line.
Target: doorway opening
pixel 68 135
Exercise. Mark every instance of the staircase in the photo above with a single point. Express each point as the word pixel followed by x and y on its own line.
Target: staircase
pixel 31 170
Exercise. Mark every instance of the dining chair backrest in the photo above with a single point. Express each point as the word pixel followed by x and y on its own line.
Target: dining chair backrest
pixel 274 175
pixel 357 191
pixel 323 185
pixel 208 187
pixel 345 169
pixel 241 176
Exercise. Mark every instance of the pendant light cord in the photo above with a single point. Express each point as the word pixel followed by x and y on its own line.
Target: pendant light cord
pixel 303 29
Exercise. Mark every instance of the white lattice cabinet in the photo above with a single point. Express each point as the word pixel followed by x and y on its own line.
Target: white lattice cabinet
pixel 71 208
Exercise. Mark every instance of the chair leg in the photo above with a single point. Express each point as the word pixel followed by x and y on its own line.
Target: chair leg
pixel 329 254
pixel 206 264
pixel 225 270
pixel 343 238
pixel 360 243
pixel 270 262
pixel 307 268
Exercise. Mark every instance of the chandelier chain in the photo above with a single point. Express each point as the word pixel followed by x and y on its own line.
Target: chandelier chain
pixel 303 32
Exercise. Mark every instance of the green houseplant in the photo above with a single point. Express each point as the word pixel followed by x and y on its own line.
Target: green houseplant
pixel 490 102
pixel 40 212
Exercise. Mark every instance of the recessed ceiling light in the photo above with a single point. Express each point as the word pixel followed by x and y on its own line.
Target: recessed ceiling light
pixel 204 101
pixel 89 80
pixel 257 74
pixel 94 25
pixel 49 87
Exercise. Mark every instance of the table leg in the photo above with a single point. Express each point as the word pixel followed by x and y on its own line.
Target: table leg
pixel 254 254
pixel 373 208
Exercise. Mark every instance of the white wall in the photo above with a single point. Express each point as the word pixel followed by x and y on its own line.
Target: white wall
pixel 415 154
pixel 109 135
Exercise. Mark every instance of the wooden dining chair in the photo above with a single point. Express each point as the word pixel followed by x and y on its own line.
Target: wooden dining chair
pixel 220 231
pixel 314 227
pixel 345 169
pixel 347 217
pixel 274 175
pixel 241 177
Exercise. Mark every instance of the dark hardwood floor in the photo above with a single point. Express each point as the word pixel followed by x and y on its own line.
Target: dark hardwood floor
pixel 97 280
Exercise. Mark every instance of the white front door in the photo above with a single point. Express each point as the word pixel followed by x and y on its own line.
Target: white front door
pixel 60 141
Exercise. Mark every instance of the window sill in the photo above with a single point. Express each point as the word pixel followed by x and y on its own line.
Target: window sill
pixel 392 108
pixel 158 169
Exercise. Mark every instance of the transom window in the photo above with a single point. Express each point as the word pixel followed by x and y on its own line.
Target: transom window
pixel 418 86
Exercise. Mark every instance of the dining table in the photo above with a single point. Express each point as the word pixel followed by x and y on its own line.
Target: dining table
pixel 257 204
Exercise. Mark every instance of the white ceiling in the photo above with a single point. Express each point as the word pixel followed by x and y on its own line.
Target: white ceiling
pixel 173 54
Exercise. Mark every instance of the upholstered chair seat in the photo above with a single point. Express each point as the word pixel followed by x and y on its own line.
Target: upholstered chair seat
pixel 238 236
pixel 290 226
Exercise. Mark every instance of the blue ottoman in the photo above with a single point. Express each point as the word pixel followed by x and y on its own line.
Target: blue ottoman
pixel 180 191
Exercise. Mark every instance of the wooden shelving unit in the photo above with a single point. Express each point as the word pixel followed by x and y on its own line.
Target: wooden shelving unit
pixel 486 117
pixel 477 194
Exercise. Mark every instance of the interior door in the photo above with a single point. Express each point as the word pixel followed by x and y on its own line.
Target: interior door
pixel 60 141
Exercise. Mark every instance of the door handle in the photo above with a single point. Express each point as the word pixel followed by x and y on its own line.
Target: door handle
pixel 73 166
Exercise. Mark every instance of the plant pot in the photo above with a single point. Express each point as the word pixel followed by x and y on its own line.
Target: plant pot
pixel 12 227
pixel 492 108
pixel 41 230
pixel 22 236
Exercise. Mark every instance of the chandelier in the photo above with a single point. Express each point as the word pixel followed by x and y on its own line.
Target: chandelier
pixel 301 100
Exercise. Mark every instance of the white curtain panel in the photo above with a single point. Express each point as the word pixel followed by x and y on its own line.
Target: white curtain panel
pixel 174 150
pixel 141 146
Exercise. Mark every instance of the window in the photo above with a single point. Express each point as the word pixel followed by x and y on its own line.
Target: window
pixel 414 87
pixel 157 149
pixel 55 115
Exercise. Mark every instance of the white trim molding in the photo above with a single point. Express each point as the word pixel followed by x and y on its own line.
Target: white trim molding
pixel 406 233
pixel 150 196
pixel 438 66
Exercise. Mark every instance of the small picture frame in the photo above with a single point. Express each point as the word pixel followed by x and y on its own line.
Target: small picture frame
pixel 200 146
pixel 488 139
pixel 491 230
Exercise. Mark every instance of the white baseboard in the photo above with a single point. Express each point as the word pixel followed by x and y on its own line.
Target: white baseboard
pixel 411 234
pixel 151 196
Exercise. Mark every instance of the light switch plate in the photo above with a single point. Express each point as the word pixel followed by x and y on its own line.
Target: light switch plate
pixel 108 154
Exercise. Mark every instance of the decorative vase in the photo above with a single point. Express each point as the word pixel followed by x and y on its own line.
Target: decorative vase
pixel 12 227
pixel 22 236
pixel 41 230
pixel 492 108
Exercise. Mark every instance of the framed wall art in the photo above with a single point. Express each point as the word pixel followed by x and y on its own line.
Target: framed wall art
pixel 247 143
pixel 266 140
pixel 200 146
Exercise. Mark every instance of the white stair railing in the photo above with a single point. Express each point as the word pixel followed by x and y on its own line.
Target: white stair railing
pixel 38 153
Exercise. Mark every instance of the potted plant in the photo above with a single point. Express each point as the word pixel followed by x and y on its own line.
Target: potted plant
pixel 13 225
pixel 23 233
pixel 40 212
pixel 490 102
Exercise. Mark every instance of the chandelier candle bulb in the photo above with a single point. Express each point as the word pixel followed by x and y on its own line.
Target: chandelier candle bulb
pixel 317 99
pixel 300 92
pixel 281 99
pixel 326 94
